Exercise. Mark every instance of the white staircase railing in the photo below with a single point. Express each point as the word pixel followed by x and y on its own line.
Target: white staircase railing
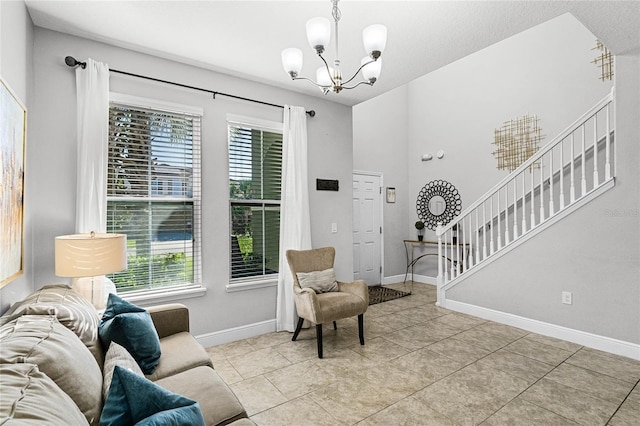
pixel 570 167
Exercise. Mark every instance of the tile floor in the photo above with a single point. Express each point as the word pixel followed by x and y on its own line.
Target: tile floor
pixel 424 365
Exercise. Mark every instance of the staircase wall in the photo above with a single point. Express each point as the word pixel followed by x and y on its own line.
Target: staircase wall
pixel 594 252
pixel 545 70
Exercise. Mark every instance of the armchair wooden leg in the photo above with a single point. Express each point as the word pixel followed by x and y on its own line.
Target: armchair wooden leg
pixel 335 325
pixel 298 328
pixel 361 328
pixel 319 338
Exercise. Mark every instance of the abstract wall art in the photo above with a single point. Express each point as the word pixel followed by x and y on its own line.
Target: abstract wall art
pixel 604 61
pixel 13 126
pixel 516 141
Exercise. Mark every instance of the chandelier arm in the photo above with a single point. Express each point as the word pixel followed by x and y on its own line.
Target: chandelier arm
pixel 335 77
pixel 368 83
pixel 325 89
pixel 356 73
pixel 308 79
pixel 333 82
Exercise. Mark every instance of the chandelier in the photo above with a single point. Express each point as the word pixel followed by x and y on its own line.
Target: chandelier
pixel 330 78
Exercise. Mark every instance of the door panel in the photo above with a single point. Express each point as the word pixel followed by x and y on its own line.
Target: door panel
pixel 367 248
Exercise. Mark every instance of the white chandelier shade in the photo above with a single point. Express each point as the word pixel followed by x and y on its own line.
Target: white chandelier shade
pixel 375 39
pixel 328 78
pixel 323 76
pixel 292 60
pixel 318 33
pixel 371 70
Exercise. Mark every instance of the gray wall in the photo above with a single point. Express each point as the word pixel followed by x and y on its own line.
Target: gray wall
pixel 545 71
pixel 379 145
pixel 595 255
pixel 16 69
pixel 52 167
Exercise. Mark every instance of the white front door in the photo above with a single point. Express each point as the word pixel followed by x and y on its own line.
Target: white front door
pixel 367 228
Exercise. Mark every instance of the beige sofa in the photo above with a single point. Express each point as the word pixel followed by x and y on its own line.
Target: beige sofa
pixel 53 369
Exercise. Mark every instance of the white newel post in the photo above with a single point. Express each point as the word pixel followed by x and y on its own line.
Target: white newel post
pixel 583 181
pixel 562 175
pixel 572 188
pixel 440 281
pixel 607 164
pixel 596 178
pixel 541 219
pixel 551 204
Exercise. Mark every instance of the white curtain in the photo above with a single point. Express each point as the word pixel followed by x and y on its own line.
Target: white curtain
pixel 295 219
pixel 92 91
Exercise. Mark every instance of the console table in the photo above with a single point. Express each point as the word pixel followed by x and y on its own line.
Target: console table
pixel 409 249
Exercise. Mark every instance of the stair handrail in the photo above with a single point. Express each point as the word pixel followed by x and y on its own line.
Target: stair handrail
pixel 441 229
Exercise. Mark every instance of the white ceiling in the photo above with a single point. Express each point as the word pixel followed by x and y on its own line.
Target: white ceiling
pixel 245 38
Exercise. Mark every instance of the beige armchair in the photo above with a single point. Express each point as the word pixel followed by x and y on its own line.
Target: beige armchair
pixel 349 300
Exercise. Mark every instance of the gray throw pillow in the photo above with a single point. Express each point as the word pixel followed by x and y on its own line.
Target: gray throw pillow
pixel 58 353
pixel 319 281
pixel 25 388
pixel 72 310
pixel 117 355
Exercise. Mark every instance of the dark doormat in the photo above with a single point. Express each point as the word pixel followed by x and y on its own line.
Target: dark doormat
pixel 379 294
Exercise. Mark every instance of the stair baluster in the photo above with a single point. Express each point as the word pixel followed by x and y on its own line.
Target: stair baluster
pixel 531 200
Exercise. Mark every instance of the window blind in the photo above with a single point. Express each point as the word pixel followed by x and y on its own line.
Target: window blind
pixel 153 195
pixel 255 171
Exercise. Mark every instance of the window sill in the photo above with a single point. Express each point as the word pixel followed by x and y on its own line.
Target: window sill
pixel 164 295
pixel 252 284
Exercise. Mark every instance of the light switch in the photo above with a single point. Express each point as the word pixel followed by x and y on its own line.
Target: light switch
pixel 334 228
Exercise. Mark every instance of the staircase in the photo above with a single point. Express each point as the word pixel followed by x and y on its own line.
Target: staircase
pixel 572 169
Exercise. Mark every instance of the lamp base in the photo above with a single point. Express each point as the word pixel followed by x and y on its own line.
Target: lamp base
pixel 92 289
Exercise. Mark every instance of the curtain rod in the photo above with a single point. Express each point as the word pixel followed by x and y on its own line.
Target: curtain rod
pixel 73 62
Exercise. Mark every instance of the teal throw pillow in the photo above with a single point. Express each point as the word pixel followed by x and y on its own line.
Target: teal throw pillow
pixel 131 327
pixel 136 400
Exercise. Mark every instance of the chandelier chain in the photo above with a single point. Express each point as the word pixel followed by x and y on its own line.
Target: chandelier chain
pixel 335 11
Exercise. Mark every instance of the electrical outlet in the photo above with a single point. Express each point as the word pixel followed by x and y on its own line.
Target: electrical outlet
pixel 567 297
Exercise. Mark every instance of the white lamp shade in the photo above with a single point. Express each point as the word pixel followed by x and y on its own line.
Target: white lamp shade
pixel 318 32
pixel 292 60
pixel 372 70
pixel 374 38
pixel 89 255
pixel 323 78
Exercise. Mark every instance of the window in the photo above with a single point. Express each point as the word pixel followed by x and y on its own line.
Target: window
pixel 153 193
pixel 255 169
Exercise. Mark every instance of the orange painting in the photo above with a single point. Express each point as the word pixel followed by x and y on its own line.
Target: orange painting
pixel 13 121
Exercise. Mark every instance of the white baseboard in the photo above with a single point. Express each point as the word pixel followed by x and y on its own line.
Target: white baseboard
pixel 425 279
pixel 394 279
pixel 236 333
pixel 607 344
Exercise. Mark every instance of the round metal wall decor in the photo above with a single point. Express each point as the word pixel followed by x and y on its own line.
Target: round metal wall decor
pixel 452 203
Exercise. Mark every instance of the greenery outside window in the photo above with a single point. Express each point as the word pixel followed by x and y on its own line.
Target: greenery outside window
pixel 255 170
pixel 153 193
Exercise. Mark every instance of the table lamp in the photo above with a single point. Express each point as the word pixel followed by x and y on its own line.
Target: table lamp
pixel 86 258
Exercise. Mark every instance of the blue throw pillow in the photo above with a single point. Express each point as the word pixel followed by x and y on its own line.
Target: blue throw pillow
pixel 135 400
pixel 131 327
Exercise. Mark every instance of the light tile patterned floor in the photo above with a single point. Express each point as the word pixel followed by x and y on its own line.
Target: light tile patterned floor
pixel 424 365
